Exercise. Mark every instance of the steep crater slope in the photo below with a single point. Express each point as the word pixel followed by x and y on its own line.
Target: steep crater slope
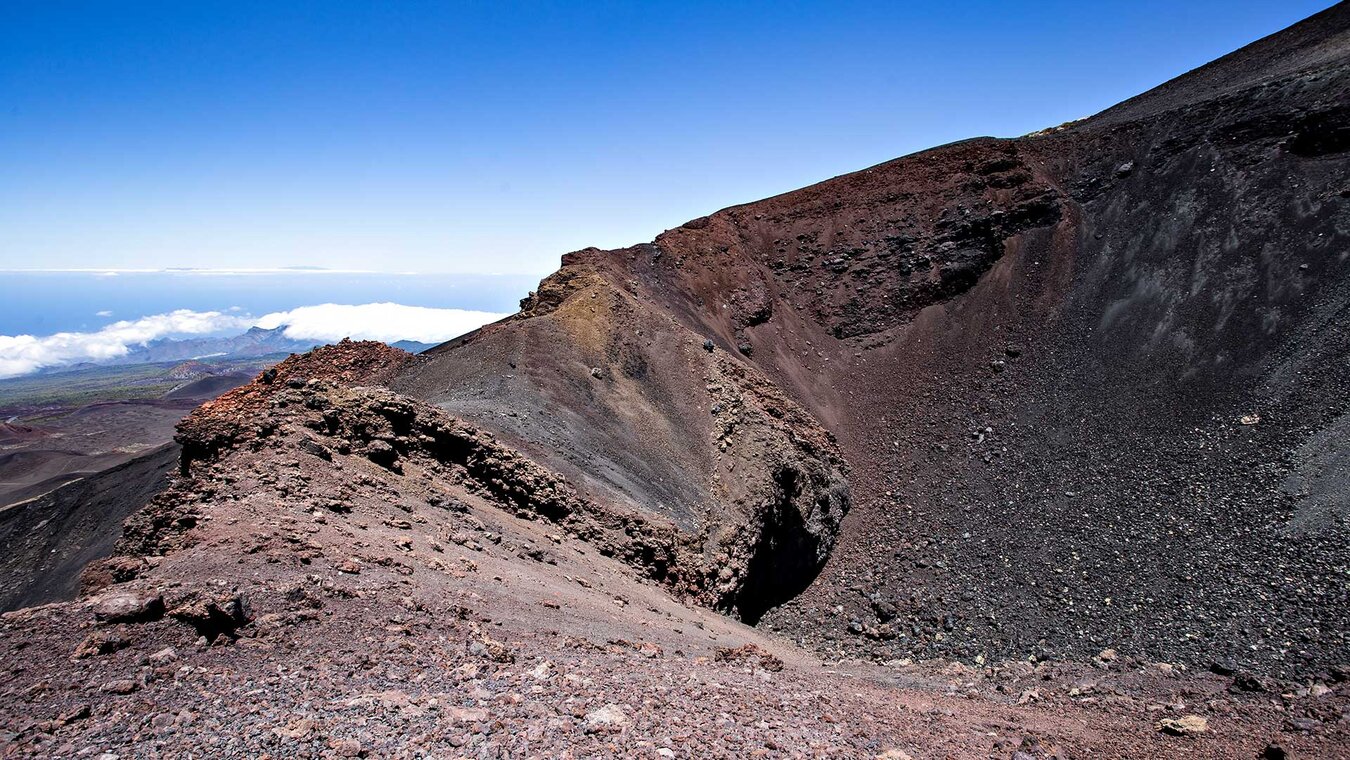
pixel 647 417
pixel 780 511
pixel 49 539
pixel 1089 380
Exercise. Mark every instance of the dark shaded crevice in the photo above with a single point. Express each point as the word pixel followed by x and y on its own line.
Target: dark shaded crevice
pixel 786 558
pixel 1321 134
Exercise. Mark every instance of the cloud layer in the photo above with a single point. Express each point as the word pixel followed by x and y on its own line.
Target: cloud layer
pixel 390 322
pixel 22 354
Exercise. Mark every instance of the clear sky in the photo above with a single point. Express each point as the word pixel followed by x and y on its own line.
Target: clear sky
pixel 494 136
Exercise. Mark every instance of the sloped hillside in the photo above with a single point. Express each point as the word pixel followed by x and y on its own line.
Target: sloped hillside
pixel 1090 381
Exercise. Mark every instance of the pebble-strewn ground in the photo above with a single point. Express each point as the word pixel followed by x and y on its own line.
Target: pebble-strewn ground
pixel 385 626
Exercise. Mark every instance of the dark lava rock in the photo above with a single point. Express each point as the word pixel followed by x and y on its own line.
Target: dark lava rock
pixel 311 446
pixel 381 453
pixel 212 617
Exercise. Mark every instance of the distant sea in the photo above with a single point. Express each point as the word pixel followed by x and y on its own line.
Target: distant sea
pixel 42 303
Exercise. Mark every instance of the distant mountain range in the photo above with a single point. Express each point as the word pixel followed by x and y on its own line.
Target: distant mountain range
pixel 256 342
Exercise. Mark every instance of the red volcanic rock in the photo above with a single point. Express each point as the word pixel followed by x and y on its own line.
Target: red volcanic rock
pixel 216 423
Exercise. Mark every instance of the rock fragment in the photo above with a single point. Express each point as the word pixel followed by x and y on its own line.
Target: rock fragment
pixel 1186 725
pixel 100 643
pixel 128 608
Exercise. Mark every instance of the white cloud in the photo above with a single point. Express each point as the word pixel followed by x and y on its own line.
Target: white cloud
pixel 104 313
pixel 388 322
pixel 22 354
pixel 329 322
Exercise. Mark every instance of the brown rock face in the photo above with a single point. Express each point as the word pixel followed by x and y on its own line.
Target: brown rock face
pixel 1037 356
pixel 218 423
pixel 782 508
pixel 599 383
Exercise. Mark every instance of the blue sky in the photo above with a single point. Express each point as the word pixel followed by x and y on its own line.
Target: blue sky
pixel 492 137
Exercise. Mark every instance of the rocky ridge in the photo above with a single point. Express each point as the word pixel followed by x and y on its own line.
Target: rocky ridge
pixel 318 404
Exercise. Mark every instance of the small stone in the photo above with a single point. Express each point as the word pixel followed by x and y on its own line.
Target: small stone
pixel 164 656
pixel 1186 725
pixel 100 643
pixel 597 373
pixel 608 718
pixel 351 567
pixel 1107 655
pixel 124 607
pixel 348 748
pixel 381 453
pixel 120 686
pixel 708 345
